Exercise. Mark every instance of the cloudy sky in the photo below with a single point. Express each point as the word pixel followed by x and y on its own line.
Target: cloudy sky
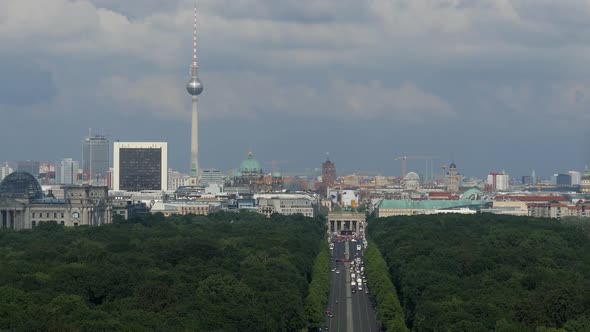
pixel 490 84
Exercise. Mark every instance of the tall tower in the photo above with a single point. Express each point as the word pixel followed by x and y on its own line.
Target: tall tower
pixel 194 88
pixel 453 179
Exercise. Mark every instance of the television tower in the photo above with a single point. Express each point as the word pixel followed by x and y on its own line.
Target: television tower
pixel 194 88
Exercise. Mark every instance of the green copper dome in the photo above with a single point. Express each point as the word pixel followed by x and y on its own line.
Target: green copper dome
pixel 250 165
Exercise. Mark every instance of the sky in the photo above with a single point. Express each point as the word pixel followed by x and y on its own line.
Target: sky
pixel 492 85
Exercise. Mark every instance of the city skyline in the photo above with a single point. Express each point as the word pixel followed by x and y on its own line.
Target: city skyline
pixel 284 81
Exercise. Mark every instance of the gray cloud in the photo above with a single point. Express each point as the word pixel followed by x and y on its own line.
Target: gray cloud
pixel 435 67
pixel 24 83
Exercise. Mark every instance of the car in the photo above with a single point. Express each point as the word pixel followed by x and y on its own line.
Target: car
pixel 333 269
pixel 366 290
pixel 337 271
pixel 331 315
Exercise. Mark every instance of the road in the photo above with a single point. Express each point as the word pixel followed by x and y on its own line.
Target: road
pixel 353 312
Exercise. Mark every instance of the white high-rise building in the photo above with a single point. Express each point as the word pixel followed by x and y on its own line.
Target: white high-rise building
pixel 576 177
pixel 68 171
pixel 194 87
pixel 140 166
pixel 212 176
pixel 499 182
pixel 5 171
pixel 177 179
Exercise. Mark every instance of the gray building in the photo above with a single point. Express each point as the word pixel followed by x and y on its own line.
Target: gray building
pixel 22 205
pixel 287 204
pixel 212 176
pixel 561 179
pixel 95 159
pixel 140 166
pixel 67 172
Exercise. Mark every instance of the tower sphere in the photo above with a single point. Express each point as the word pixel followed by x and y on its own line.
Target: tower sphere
pixel 194 86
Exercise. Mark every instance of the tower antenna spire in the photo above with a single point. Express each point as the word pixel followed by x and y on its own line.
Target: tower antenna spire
pixel 195 60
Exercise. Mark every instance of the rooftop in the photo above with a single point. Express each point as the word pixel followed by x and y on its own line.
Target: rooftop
pixel 532 198
pixel 429 205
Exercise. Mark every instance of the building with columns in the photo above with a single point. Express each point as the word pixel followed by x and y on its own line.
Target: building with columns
pixel 22 205
pixel 344 222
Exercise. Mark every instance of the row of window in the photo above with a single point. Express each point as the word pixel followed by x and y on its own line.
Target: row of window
pixel 34 223
pixel 47 215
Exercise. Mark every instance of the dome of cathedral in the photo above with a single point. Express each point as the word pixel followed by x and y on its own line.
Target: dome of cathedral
pixel 250 165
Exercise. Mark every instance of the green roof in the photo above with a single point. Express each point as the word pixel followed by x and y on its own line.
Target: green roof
pixel 471 192
pixel 429 205
pixel 250 165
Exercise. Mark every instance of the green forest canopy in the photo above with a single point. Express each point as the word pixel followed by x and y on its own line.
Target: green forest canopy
pixel 487 272
pixel 225 272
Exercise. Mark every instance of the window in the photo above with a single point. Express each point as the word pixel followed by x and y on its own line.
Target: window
pixel 62 215
pixel 54 214
pixel 47 214
pixel 34 223
pixel 62 222
pixel 33 215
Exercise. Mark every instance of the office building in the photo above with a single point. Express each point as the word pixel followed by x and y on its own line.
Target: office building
pixel 576 178
pixel 5 171
pixel 95 159
pixel 177 179
pixel 527 180
pixel 68 171
pixel 140 166
pixel 498 182
pixel 212 176
pixel 561 179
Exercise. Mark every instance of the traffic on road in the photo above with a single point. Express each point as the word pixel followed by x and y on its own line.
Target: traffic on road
pixel 351 308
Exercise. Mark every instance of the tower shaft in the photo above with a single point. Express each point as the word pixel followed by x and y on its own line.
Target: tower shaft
pixel 195 140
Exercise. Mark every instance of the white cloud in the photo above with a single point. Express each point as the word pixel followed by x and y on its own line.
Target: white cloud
pixel 405 103
pixel 159 96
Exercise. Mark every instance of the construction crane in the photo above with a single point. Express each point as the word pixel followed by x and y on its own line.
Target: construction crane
pixel 405 158
pixel 275 163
